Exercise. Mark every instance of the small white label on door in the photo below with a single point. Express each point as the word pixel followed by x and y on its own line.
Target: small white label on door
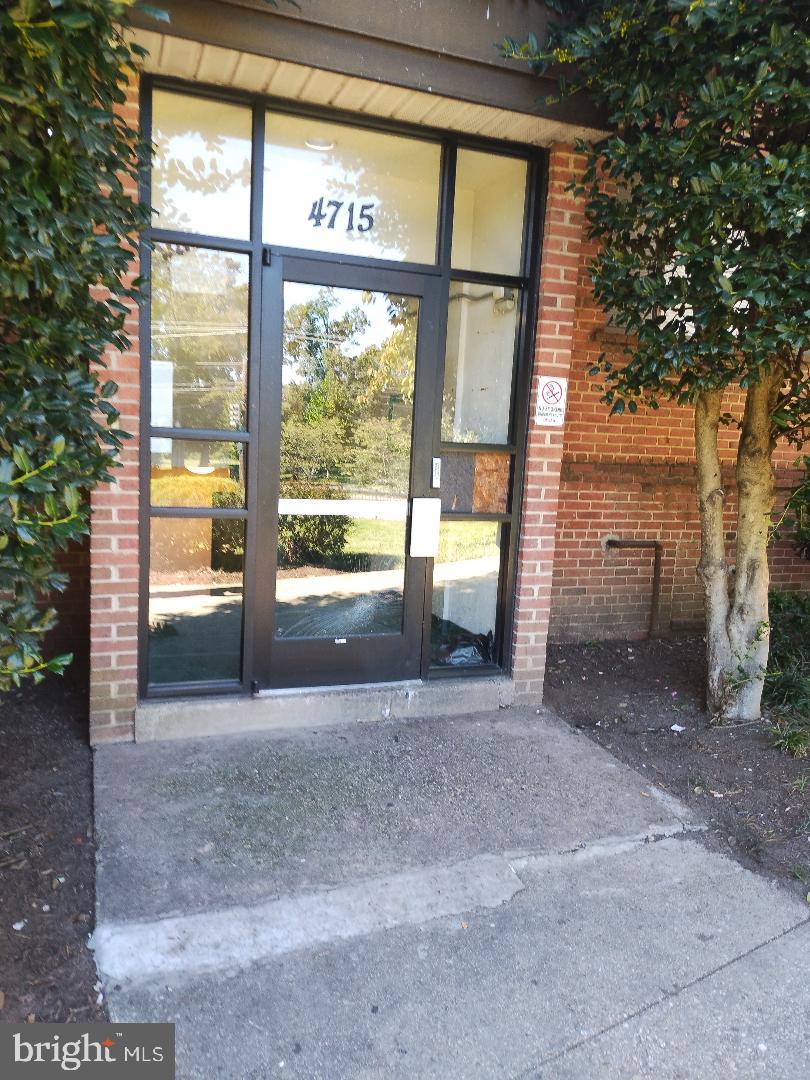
pixel 551 396
pixel 436 473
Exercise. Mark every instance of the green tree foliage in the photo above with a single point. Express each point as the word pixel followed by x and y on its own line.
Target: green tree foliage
pixel 67 227
pixel 796 515
pixel 345 415
pixel 699 198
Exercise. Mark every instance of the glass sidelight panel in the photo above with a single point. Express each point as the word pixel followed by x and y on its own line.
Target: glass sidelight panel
pixel 488 216
pixel 195 599
pixel 465 594
pixel 482 323
pixel 346 430
pixel 188 472
pixel 201 168
pixel 342 189
pixel 199 337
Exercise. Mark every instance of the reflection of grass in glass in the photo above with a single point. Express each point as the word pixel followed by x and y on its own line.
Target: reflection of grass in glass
pixel 181 488
pixel 458 539
pixel 375 538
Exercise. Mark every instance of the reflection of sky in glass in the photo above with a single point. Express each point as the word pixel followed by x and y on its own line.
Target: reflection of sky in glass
pixel 207 145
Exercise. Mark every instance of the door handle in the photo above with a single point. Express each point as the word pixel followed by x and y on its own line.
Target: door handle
pixel 425 519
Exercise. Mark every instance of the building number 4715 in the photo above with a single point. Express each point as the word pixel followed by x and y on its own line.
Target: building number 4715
pixel 364 220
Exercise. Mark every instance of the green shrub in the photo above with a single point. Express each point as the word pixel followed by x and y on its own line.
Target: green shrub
pixel 318 540
pixel 228 534
pixel 787 683
pixel 790 627
pixel 189 489
pixel 67 225
pixel 797 512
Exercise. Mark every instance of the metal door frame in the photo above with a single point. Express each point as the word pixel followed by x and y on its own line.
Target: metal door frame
pixel 287 662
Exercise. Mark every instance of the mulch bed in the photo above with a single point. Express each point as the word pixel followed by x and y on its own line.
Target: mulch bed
pixel 46 858
pixel 628 695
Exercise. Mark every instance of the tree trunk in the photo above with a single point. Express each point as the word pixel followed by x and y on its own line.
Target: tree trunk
pixel 736 619
pixel 712 569
pixel 748 628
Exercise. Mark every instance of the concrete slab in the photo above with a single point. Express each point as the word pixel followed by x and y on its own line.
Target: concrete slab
pixel 184 946
pixel 515 990
pixel 488 898
pixel 248 818
pixel 750 1020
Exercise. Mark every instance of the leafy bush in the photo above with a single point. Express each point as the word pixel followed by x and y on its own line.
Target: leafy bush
pixel 228 534
pixel 67 225
pixel 318 540
pixel 787 683
pixel 797 512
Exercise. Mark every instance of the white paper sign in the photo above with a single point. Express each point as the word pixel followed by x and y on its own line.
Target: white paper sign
pixel 425 520
pixel 551 395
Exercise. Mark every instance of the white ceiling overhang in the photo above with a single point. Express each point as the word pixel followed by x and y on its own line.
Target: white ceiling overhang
pixel 217 66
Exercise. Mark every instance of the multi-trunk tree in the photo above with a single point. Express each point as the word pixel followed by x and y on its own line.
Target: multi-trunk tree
pixel 699 198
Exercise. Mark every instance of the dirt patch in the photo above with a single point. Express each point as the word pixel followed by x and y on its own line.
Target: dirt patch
pixel 628 695
pixel 46 858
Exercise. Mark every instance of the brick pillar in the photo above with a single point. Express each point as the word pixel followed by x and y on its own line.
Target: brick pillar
pixel 563 243
pixel 114 548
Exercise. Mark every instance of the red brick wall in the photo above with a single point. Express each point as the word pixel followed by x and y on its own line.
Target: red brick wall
pixel 554 348
pixel 114 550
pixel 632 477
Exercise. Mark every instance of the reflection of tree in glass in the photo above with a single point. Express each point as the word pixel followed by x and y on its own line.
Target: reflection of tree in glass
pixel 173 173
pixel 199 328
pixel 360 176
pixel 346 409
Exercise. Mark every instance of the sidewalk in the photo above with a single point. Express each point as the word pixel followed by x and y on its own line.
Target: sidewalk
pixel 494 897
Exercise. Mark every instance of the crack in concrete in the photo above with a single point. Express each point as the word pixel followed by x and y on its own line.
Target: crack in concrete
pixel 532 1072
pixel 605 847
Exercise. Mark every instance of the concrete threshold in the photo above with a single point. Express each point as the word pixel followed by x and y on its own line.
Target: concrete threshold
pixel 327 706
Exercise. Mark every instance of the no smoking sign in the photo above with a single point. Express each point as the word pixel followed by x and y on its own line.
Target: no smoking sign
pixel 551 395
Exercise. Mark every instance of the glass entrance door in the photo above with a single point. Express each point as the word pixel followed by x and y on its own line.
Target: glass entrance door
pixel 349 355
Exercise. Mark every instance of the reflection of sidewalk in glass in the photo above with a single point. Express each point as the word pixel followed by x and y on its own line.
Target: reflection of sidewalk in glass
pixel 189 599
pixel 195 629
pixel 486 566
pixel 199 623
pixel 289 590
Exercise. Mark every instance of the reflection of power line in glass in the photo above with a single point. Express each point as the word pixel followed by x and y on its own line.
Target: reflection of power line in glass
pixel 191 330
pixel 191 324
pixel 326 339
